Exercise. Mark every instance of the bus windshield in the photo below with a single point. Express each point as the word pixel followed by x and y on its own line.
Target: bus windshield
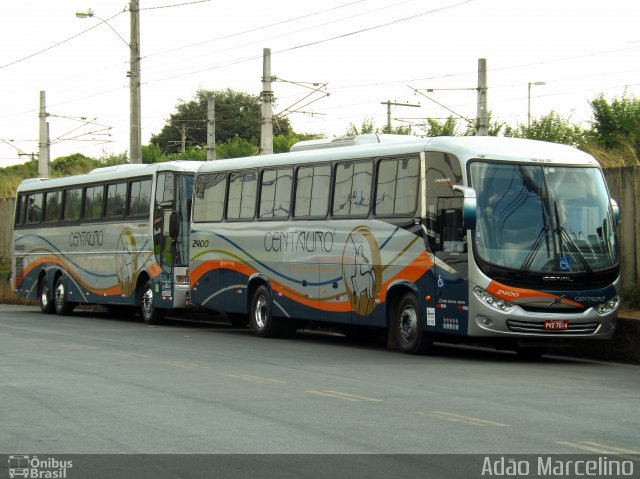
pixel 543 218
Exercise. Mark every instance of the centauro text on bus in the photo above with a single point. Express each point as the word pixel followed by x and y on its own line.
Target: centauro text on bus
pixel 503 239
pixel 117 236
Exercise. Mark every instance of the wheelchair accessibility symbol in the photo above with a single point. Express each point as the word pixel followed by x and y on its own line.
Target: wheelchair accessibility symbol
pixel 440 281
pixel 565 263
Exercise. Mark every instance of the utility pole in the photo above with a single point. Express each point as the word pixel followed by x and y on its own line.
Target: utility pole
pixel 211 129
pixel 43 156
pixel 266 132
pixel 482 121
pixel 135 126
pixel 389 104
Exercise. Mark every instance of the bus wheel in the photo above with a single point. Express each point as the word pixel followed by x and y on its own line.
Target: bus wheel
pixel 410 336
pixel 260 315
pixel 61 302
pixel 150 314
pixel 44 298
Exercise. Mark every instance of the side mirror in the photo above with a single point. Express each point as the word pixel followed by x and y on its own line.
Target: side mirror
pixel 469 206
pixel 616 211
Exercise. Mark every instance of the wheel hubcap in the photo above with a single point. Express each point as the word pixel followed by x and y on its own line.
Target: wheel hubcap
pixel 147 303
pixel 44 296
pixel 59 295
pixel 408 323
pixel 261 312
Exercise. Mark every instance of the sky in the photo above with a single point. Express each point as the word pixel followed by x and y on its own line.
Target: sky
pixel 360 52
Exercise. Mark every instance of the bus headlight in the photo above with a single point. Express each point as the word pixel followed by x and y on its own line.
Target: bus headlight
pixel 492 301
pixel 607 307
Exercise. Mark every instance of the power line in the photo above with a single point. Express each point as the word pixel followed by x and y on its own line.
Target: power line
pixel 57 44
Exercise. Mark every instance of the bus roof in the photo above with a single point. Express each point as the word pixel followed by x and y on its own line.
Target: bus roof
pixel 108 173
pixel 465 148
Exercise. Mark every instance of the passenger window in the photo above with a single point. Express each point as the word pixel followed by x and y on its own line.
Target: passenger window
pixel 275 193
pixel 397 187
pixel 72 204
pixel 52 203
pixel 20 209
pixel 210 193
pixel 352 195
pixel 34 208
pixel 242 196
pixel 140 198
pixel 312 191
pixel 116 200
pixel 93 202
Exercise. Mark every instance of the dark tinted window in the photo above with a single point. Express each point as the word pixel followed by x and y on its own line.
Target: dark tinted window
pixel 242 195
pixel 34 208
pixel 72 204
pixel 140 198
pixel 93 202
pixel 210 193
pixel 116 200
pixel 52 205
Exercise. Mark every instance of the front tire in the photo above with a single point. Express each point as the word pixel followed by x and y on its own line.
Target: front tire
pixel 44 297
pixel 262 321
pixel 150 314
pixel 409 326
pixel 61 302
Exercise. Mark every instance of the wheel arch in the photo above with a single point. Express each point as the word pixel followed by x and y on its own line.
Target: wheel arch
pixel 255 281
pixel 394 292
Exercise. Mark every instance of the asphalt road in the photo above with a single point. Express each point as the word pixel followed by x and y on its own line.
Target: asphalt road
pixel 93 384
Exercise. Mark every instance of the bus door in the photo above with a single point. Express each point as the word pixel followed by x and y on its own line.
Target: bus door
pixel 451 268
pixel 164 244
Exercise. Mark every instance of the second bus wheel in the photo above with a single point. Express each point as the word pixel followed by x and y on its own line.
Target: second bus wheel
pixel 262 321
pixel 408 323
pixel 61 301
pixel 44 297
pixel 150 314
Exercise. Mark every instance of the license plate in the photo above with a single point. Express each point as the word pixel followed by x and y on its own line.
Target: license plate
pixel 556 324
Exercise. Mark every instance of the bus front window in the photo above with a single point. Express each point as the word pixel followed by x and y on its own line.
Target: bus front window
pixel 543 218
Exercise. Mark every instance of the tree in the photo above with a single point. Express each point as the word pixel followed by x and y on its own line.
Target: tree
pixel 551 127
pixel 237 114
pixel 433 127
pixel 617 123
pixel 367 126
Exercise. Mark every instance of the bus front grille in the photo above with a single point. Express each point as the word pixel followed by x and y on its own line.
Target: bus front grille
pixel 519 326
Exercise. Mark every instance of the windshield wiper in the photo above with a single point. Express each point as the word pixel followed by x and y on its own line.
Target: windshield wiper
pixel 536 246
pixel 562 233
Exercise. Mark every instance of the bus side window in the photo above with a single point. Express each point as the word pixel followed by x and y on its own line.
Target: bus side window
pixel 72 204
pixel 34 208
pixel 20 210
pixel 210 194
pixel 52 203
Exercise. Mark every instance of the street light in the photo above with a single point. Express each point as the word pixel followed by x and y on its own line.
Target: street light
pixel 135 122
pixel 529 100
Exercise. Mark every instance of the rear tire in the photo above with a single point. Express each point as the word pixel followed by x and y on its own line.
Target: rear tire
pixel 150 314
pixel 262 321
pixel 61 302
pixel 44 297
pixel 408 324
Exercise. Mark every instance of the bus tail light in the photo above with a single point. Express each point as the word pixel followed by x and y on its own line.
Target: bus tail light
pixel 492 301
pixel 182 278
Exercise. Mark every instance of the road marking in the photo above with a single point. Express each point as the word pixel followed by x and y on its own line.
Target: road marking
pixel 471 421
pixel 255 379
pixel 598 448
pixel 180 364
pixel 77 347
pixel 342 395
pixel 129 355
